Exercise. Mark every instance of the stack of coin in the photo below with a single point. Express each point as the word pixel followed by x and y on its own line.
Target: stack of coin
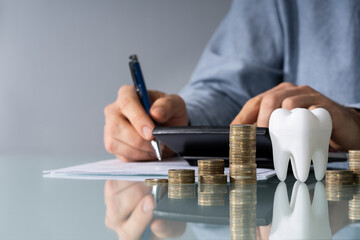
pixel 242 153
pixel 243 211
pixel 211 194
pixel 339 177
pixel 181 176
pixel 337 192
pixel 156 181
pixel 213 179
pixel 210 167
pixel 354 164
pixel 354 206
pixel 181 191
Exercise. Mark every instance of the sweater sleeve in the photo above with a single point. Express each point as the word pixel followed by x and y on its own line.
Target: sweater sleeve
pixel 243 59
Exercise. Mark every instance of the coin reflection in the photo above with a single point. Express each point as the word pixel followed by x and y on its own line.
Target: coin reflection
pixel 243 211
pixel 181 191
pixel 211 194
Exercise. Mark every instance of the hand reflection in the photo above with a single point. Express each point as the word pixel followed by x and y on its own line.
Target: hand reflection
pixel 129 208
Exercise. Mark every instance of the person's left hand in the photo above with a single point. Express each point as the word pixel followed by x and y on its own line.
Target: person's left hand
pixel 346 121
pixel 129 208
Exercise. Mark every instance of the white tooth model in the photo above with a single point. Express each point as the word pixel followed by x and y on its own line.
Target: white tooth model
pixel 300 219
pixel 300 135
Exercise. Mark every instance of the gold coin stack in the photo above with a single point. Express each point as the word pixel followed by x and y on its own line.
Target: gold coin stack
pixel 243 211
pixel 181 183
pixel 354 164
pixel 213 179
pixel 242 154
pixel 339 177
pixel 211 194
pixel 336 192
pixel 156 181
pixel 210 167
pixel 181 176
pixel 354 206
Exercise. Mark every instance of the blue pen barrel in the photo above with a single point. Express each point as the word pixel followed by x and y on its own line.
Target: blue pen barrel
pixel 142 92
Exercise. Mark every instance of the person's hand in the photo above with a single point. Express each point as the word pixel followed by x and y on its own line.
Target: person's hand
pixel 346 121
pixel 129 208
pixel 128 129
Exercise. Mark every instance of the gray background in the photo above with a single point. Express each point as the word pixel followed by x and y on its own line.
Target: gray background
pixel 62 61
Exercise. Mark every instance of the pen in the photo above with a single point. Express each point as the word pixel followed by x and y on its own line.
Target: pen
pixel 142 93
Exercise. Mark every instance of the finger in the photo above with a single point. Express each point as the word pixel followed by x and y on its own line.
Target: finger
pixel 153 95
pixel 121 148
pixel 120 129
pixel 140 218
pixel 132 109
pixel 169 107
pixel 301 101
pixel 120 205
pixel 250 111
pixel 167 229
pixel 272 101
pixel 113 187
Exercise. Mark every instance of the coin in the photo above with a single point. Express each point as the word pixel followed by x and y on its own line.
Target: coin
pixel 354 164
pixel 155 181
pixel 242 154
pixel 343 177
pixel 181 176
pixel 213 179
pixel 210 167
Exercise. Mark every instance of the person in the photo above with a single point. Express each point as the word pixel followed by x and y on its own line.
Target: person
pixel 264 55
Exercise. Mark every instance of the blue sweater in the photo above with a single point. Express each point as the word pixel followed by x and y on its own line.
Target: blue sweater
pixel 262 43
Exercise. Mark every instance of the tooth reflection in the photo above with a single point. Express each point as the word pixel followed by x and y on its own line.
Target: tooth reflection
pixel 300 219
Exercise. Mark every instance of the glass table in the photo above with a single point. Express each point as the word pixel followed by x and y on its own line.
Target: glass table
pixel 33 207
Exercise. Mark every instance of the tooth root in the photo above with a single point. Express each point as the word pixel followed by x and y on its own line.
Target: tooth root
pixel 281 162
pixel 293 167
pixel 320 160
pixel 302 161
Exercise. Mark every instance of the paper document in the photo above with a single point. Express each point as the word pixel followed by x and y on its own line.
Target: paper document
pixel 133 171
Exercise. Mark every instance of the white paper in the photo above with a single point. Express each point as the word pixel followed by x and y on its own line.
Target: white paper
pixel 133 171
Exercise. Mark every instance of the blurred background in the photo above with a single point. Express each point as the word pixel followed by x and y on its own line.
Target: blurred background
pixel 62 62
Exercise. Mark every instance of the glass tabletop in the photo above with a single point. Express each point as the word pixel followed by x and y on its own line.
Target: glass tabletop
pixel 33 207
pixel 270 209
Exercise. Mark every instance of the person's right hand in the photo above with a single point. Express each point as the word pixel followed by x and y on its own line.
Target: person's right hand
pixel 128 129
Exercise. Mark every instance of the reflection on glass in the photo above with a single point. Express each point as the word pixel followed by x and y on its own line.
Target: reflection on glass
pixel 336 192
pixel 181 191
pixel 300 219
pixel 354 205
pixel 243 211
pixel 129 211
pixel 211 194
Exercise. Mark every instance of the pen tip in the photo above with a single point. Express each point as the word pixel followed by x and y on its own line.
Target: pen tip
pixel 157 148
